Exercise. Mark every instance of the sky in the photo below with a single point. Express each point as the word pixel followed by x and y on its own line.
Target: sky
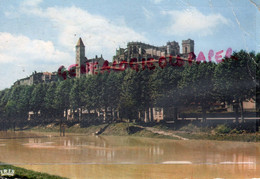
pixel 40 35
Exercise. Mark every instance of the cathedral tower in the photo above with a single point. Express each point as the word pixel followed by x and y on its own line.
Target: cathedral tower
pixel 187 46
pixel 80 56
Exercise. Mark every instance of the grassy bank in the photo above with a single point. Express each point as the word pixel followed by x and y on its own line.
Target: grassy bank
pixel 221 137
pixel 222 132
pixel 23 173
pixel 113 129
pixel 231 132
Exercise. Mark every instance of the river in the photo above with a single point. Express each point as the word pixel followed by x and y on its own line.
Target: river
pixel 78 156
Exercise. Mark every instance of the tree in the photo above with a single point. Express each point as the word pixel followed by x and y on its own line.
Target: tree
pixel 37 99
pixel 10 110
pixel 23 104
pixel 92 93
pixel 144 82
pixel 165 90
pixel 61 100
pixel 235 80
pixel 197 86
pixel 13 106
pixel 114 88
pixel 129 97
pixel 49 100
pixel 104 93
pixel 4 96
pixel 257 60
pixel 74 97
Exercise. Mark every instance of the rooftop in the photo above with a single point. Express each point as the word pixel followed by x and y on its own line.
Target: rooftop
pixel 80 43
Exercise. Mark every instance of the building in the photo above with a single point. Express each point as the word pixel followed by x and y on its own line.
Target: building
pixel 82 61
pixel 37 77
pixel 187 46
pixel 80 57
pixel 136 50
pixel 141 50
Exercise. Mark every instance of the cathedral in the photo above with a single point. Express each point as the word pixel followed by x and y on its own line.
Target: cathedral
pixel 141 50
pixel 136 50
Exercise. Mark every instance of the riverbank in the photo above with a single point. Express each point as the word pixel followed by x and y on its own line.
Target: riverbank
pixel 112 129
pixel 23 173
pixel 220 132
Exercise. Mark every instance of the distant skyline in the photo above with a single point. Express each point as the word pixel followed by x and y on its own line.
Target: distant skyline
pixel 41 34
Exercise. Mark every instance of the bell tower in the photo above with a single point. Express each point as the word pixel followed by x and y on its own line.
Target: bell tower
pixel 80 56
pixel 187 46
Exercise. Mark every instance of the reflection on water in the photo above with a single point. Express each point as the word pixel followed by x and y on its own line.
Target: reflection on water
pixel 74 155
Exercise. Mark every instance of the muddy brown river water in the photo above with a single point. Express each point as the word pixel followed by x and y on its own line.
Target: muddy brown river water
pixel 78 156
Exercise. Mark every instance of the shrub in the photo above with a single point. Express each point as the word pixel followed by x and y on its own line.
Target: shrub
pixel 190 128
pixel 222 129
pixel 235 131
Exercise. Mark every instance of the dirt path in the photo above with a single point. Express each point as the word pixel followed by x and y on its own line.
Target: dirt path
pixel 101 130
pixel 158 131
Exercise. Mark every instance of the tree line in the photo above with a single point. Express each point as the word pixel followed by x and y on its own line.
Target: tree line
pixel 130 94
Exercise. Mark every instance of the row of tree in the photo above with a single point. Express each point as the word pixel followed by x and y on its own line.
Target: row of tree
pixel 131 94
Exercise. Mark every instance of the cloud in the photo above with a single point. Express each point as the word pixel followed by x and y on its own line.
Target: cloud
pixel 192 21
pixel 19 49
pixel 100 35
pixel 20 56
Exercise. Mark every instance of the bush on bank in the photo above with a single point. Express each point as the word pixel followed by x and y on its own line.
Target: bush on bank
pixel 27 174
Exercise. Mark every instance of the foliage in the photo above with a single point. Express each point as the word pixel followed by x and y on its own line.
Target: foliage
pixel 130 93
pixel 190 128
pixel 222 129
pixel 23 173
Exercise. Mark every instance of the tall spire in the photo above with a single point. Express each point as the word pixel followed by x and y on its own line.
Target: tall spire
pixel 80 43
pixel 80 56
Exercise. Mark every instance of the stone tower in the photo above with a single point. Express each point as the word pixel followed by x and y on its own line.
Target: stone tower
pixel 80 56
pixel 187 46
